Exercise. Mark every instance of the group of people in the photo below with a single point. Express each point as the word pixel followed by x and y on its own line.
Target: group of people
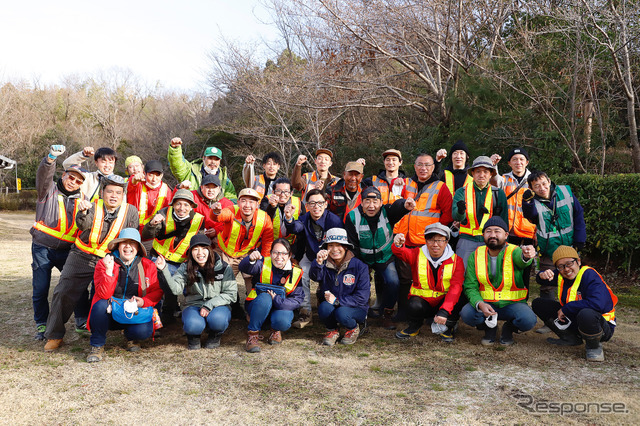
pixel 442 244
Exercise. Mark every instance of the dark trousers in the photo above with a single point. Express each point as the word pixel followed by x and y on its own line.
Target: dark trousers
pixel 405 279
pixel 587 321
pixel 419 309
pixel 101 322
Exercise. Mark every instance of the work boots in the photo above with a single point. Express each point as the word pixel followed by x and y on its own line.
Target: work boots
pixel 506 336
pixel 193 341
pixel 387 320
pixel 253 342
pixel 594 350
pixel 489 334
pixel 566 337
pixel 448 336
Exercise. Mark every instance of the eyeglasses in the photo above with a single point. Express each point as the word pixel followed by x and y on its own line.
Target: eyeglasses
pixel 279 191
pixel 74 179
pixel 437 241
pixel 420 165
pixel 279 254
pixel 313 204
pixel 567 265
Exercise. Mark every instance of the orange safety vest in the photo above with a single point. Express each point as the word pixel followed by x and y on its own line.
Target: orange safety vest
pixel 166 247
pixel 61 231
pixel 472 227
pixel 517 223
pixel 259 185
pixel 424 214
pixel 451 182
pixel 94 246
pixel 426 288
pixel 312 178
pixel 507 289
pixel 573 294
pixel 383 186
pixel 266 277
pixel 230 244
pixel 143 205
pixel 280 231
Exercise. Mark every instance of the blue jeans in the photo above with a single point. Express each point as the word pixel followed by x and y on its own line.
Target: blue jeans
pixel 101 322
pixel 387 283
pixel 347 317
pixel 217 321
pixel 520 315
pixel 44 260
pixel 260 309
pixel 305 265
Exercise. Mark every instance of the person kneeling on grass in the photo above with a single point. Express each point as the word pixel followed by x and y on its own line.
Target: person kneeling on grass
pixel 275 294
pixel 586 307
pixel 344 288
pixel 126 273
pixel 209 287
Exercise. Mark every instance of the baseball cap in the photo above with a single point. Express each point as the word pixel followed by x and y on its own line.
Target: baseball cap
pixel 354 166
pixel 212 151
pixel 392 152
pixel 324 151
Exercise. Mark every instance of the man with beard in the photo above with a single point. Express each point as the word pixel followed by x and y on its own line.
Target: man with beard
pixel 494 285
pixel 344 195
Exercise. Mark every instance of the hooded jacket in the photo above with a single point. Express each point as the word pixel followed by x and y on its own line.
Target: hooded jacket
pixel 350 283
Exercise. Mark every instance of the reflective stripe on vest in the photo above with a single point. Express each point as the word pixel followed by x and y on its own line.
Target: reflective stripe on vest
pixel 424 214
pixel 383 186
pixel 280 231
pixel 472 227
pixel 61 231
pixel 312 178
pixel 451 182
pixel 573 295
pixel 266 277
pixel 229 246
pixel 426 288
pixel 93 246
pixel 371 243
pixel 517 223
pixel 565 202
pixel 143 205
pixel 259 185
pixel 177 254
pixel 507 289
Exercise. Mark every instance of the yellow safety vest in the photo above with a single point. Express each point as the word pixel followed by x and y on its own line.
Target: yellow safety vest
pixel 177 254
pixel 573 295
pixel 472 228
pixel 426 287
pixel 94 246
pixel 451 182
pixel 507 289
pixel 229 246
pixel 266 277
pixel 61 231
pixel 142 207
pixel 280 231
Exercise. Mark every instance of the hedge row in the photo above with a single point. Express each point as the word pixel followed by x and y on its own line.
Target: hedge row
pixel 612 213
pixel 24 200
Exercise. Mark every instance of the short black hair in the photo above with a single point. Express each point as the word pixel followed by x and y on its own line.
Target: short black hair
pixel 535 175
pixel 105 152
pixel 284 242
pixel 272 156
pixel 315 191
pixel 424 154
pixel 282 180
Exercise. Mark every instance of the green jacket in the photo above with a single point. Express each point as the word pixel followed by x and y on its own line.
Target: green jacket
pixel 500 207
pixel 472 286
pixel 222 291
pixel 192 171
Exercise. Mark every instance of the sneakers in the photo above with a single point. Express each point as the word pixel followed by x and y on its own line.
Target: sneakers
pixel 40 332
pixel 82 329
pixel 304 319
pixel 331 338
pixel 193 341
pixel 253 342
pixel 448 336
pixel 213 341
pixel 351 336
pixel 275 338
pixel 489 336
pixel 52 345
pixel 132 346
pixel 96 354
pixel 387 320
pixel 408 332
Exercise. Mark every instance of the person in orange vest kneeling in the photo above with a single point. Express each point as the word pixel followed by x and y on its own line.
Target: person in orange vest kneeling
pixel 438 275
pixel 275 293
pixel 586 307
pixel 494 285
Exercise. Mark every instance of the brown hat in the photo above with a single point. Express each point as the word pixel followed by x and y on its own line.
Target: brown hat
pixel 250 192
pixel 184 194
pixel 392 152
pixel 354 166
pixel 564 251
pixel 324 151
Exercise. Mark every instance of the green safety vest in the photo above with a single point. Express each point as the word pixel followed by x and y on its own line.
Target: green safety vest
pixel 553 234
pixel 374 248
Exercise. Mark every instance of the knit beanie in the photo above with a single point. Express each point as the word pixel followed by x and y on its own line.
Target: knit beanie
pixel 132 159
pixel 515 151
pixel 459 145
pixel 564 251
pixel 496 221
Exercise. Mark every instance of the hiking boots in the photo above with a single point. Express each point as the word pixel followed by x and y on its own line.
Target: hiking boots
pixel 96 354
pixel 52 345
pixel 132 346
pixel 40 332
pixel 253 342
pixel 593 346
pixel 213 341
pixel 387 320
pixel 506 336
pixel 410 331
pixel 275 338
pixel 304 319
pixel 193 342
pixel 489 335
pixel 350 336
pixel 448 336
pixel 331 338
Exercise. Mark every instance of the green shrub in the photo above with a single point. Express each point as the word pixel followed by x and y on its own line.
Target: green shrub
pixel 24 200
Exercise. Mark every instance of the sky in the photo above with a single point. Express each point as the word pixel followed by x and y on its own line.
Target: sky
pixel 159 41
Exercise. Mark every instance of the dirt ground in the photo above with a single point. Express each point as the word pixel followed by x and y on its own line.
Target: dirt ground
pixel 379 380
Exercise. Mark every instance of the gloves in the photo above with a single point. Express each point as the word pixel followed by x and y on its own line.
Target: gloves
pixel 56 151
pixel 484 210
pixel 462 207
pixel 528 195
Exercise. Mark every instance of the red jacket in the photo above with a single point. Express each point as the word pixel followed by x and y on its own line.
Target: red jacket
pixel 204 209
pixel 410 256
pixel 134 193
pixel 106 285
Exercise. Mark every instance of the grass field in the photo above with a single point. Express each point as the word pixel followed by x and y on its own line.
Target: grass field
pixel 379 380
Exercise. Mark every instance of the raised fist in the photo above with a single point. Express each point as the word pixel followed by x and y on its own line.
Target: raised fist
pixel 527 195
pixel 319 185
pixel 161 263
pixel 255 255
pixel 88 151
pixel 441 154
pixel 185 184
pixel 529 252
pixel 361 161
pixel 462 206
pixel 322 256
pixel 250 159
pixel 157 219
pixel 399 240
pixel 216 208
pixel 84 205
pixel 56 151
pixel 273 200
pixel 301 160
pixel 410 204
pixel 176 142
pixel 495 159
pixel 289 209
pixel 108 264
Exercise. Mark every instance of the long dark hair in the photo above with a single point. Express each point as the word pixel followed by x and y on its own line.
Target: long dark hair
pixel 207 271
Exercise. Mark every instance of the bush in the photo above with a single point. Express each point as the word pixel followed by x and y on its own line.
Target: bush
pixel 24 200
pixel 611 213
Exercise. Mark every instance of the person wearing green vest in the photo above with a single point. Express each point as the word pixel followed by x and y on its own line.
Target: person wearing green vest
pixel 494 285
pixel 193 171
pixel 370 230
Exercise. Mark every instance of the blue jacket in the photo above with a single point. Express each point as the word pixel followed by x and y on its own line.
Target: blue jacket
pixel 292 301
pixel 303 227
pixel 350 284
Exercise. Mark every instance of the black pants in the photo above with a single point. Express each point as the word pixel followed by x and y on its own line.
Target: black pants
pixel 419 309
pixel 587 321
